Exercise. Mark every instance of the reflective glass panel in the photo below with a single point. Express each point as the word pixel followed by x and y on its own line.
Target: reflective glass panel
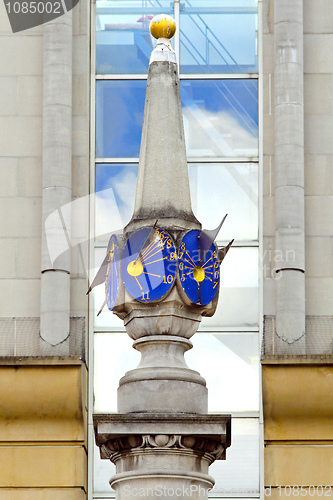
pixel 106 318
pixel 115 186
pixel 230 188
pixel 103 471
pixel 229 362
pixel 218 36
pixel 220 117
pixel 238 475
pixel 119 116
pixel 238 300
pixel 118 348
pixel 216 189
pixel 123 40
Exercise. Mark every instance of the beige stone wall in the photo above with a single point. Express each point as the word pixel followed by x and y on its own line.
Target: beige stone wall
pixel 21 94
pixel 318 123
pixel 43 404
pixel 21 74
pixel 318 108
pixel 298 417
pixel 297 400
pixel 43 436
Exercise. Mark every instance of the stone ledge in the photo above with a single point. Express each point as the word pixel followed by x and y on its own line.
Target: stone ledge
pixel 112 426
pixel 40 360
pixel 297 359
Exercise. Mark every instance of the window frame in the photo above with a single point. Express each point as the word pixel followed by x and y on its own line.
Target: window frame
pixel 256 243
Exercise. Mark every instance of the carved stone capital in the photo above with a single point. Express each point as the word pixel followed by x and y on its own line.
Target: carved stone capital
pixel 203 446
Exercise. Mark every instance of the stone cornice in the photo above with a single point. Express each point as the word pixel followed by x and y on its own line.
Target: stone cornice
pixel 136 431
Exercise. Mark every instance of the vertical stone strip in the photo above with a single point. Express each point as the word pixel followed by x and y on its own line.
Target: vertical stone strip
pixel 289 175
pixel 57 183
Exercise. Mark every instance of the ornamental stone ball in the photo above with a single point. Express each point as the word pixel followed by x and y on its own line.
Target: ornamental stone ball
pixel 162 26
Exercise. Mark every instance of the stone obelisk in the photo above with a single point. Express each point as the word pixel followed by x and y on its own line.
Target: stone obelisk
pixel 162 440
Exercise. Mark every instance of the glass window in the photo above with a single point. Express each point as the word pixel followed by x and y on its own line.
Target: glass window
pixel 239 294
pixel 220 117
pixel 232 385
pixel 108 374
pixel 229 188
pixel 238 475
pixel 115 186
pixel 216 189
pixel 103 471
pixel 123 40
pixel 218 36
pixel 119 116
pixel 106 319
pixel 215 38
pixel 229 362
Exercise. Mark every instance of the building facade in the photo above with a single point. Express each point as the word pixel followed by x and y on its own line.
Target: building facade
pixel 256 83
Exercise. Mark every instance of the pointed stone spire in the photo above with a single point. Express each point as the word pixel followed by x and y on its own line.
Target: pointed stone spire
pixel 163 191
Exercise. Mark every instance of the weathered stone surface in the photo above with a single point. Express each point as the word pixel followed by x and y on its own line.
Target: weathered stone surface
pixel 163 191
pixel 166 451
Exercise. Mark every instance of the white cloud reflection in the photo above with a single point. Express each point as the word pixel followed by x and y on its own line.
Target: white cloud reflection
pixel 217 134
pixel 115 203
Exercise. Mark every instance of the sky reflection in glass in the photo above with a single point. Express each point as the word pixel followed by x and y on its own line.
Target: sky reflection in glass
pixel 220 118
pixel 218 36
pixel 216 189
pixel 239 291
pixel 229 188
pixel 239 351
pixel 123 40
pixel 114 208
pixel 238 475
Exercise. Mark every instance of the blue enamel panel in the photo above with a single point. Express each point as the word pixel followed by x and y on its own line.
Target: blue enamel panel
pixel 149 276
pixel 191 260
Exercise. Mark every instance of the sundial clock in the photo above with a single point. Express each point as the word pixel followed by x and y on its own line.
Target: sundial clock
pixel 199 269
pixel 199 261
pixel 148 264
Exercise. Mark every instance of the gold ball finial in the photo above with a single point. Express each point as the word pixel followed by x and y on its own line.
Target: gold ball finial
pixel 162 26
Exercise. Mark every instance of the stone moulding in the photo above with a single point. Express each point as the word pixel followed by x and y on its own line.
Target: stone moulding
pixel 113 448
pixel 207 435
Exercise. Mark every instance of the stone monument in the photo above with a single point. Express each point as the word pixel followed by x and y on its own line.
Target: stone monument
pixel 161 277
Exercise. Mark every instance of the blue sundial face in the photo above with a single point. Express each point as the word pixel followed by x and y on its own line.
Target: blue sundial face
pixel 112 273
pixel 199 271
pixel 148 264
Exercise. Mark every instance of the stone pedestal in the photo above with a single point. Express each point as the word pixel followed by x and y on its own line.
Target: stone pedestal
pixel 162 455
